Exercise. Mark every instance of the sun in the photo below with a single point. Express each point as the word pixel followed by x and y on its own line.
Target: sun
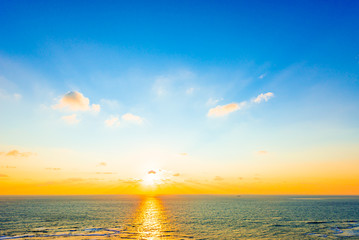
pixel 151 178
pixel 154 177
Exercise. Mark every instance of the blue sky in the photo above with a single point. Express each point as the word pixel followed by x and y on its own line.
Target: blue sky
pixel 208 32
pixel 168 64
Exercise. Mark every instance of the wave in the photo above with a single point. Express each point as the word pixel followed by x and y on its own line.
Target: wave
pixel 319 222
pixel 88 232
pixel 350 229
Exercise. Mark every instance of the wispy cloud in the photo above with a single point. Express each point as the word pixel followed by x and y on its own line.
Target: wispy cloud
pixel 17 153
pixel 131 181
pixel 263 97
pixel 76 101
pixel 129 117
pixel 262 76
pixel 71 119
pixel 189 90
pixel 3 175
pixel 170 83
pixel 10 96
pixel 110 103
pixel 96 108
pixel 74 179
pixel 262 152
pixel 53 169
pixel 223 110
pixel 212 101
pixel 102 164
pixel 218 178
pixel 112 121
pixel 17 96
pixel 7 166
pixel 160 87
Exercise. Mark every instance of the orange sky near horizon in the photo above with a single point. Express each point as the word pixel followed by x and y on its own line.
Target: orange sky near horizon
pixel 265 177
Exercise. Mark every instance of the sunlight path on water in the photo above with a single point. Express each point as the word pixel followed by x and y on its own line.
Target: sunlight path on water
pixel 151 220
pixel 139 218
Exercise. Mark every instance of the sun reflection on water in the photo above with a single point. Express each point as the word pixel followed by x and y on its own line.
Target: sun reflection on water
pixel 151 220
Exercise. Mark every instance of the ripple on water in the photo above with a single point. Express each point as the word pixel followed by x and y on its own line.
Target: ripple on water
pixel 178 217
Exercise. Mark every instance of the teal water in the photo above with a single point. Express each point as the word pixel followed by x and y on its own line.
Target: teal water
pixel 179 217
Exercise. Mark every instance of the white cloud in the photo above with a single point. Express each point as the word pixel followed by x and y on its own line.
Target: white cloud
pixel 220 111
pixel 17 96
pixel 263 97
pixel 7 96
pixel 262 76
pixel 112 122
pixel 76 101
pixel 96 107
pixel 161 85
pixel 3 94
pixel 223 110
pixel 173 82
pixel 129 117
pixel 71 119
pixel 212 101
pixel 190 91
pixel 160 91
pixel 110 103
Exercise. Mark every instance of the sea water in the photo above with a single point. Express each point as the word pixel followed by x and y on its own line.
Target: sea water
pixel 179 217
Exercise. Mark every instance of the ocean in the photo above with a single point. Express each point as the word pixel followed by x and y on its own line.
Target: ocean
pixel 179 217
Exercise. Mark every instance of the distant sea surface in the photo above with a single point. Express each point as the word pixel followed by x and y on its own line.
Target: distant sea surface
pixel 179 217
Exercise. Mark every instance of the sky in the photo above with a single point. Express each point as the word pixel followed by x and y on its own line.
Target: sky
pixel 179 97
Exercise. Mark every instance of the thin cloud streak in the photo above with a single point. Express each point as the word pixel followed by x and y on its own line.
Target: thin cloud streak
pixel 17 153
pixel 263 97
pixel 129 117
pixel 223 110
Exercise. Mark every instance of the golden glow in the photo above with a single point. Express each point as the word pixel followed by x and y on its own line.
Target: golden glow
pixel 151 178
pixel 154 178
pixel 31 174
pixel 151 220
